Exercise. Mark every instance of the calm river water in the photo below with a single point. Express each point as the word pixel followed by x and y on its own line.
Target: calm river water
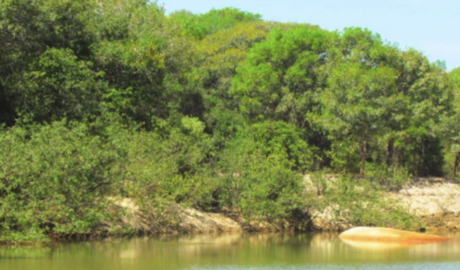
pixel 229 252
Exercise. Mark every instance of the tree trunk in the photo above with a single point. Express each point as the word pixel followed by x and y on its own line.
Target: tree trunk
pixel 421 170
pixel 398 158
pixel 363 151
pixel 390 152
pixel 457 161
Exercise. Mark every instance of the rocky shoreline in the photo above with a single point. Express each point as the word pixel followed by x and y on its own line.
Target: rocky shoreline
pixel 433 200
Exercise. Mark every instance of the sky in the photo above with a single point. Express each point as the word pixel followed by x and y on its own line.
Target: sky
pixel 429 26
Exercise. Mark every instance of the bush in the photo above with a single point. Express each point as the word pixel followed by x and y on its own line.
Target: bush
pixel 53 178
pixel 164 167
pixel 260 185
pixel 361 202
pixel 387 178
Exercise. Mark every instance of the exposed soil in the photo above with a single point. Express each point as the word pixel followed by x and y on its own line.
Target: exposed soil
pixel 444 222
pixel 194 221
pixel 435 200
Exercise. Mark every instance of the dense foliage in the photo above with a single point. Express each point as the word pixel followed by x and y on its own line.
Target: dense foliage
pixel 220 111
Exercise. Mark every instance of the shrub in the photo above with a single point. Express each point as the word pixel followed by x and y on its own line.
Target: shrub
pixel 258 184
pixel 361 202
pixel 52 178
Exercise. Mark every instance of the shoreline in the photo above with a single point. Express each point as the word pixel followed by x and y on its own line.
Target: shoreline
pixel 432 200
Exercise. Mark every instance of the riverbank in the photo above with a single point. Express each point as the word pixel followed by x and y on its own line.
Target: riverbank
pixel 432 200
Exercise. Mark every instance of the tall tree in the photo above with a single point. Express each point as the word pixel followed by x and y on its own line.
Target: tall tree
pixel 451 127
pixel 360 97
pixel 282 79
pixel 356 104
pixel 283 74
pixel 200 26
pixel 416 130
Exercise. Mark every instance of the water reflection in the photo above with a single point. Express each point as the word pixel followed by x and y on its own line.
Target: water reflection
pixel 229 251
pixel 377 246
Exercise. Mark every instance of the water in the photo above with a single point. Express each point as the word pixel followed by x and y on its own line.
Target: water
pixel 230 252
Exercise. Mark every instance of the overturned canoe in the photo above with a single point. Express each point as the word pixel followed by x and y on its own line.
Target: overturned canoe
pixel 378 234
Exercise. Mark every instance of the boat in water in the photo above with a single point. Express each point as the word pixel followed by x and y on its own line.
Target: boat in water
pixel 386 235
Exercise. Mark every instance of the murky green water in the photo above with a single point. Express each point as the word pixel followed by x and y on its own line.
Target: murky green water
pixel 229 252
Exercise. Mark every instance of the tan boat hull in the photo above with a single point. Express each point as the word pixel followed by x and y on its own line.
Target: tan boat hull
pixel 378 234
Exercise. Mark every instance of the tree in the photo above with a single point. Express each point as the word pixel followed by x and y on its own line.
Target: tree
pixel 144 60
pixel 218 57
pixel 282 78
pixel 356 104
pixel 450 127
pixel 28 29
pixel 200 26
pixel 59 86
pixel 52 181
pixel 259 171
pixel 426 97
pixel 283 74
pixel 22 31
pixel 360 97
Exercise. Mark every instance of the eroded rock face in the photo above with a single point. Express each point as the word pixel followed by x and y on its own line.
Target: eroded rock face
pixel 430 196
pixel 445 222
pixel 194 221
pixel 182 220
pixel 326 220
pixel 435 201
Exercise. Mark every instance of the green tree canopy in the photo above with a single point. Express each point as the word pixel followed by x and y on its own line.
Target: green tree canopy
pixel 283 74
pixel 200 26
